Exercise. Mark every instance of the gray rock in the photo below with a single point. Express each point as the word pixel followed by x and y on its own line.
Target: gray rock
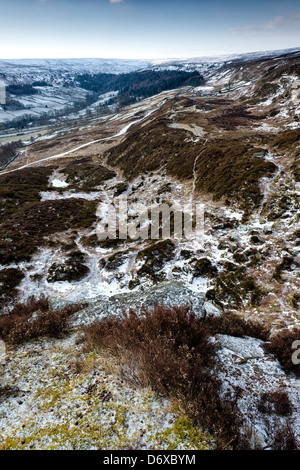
pixel 244 366
pixel 170 294
pixel 245 348
pixel 211 310
pixel 267 229
pixel 56 303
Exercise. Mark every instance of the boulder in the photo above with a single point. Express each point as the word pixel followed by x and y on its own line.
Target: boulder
pixel 170 294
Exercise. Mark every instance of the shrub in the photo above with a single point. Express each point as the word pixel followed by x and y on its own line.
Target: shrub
pixel 33 319
pixel 23 232
pixel 170 349
pixel 233 325
pixel 281 346
pixel 284 438
pixel 277 402
pixel 31 305
pixel 9 280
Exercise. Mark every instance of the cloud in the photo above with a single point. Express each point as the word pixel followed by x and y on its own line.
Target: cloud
pixel 116 1
pixel 274 23
pixel 279 23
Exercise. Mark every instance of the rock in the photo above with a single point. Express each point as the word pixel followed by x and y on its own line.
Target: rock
pixel 114 262
pixel 69 271
pixel 267 230
pixel 256 240
pixel 245 348
pixel 73 269
pixel 244 367
pixel 155 257
pixel 186 254
pixel 211 310
pixel 170 294
pixel 176 273
pixel 56 303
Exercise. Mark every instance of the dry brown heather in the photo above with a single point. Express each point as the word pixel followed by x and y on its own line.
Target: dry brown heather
pixel 229 165
pixel 232 168
pixel 26 221
pixel 85 175
pixel 262 69
pixel 68 141
pixel 33 319
pixel 170 350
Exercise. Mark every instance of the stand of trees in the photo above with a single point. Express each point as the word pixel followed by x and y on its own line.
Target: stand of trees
pixel 138 85
pixel 21 90
pixel 132 87
pixel 8 152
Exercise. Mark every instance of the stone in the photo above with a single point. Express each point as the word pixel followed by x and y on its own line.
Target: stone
pixel 169 294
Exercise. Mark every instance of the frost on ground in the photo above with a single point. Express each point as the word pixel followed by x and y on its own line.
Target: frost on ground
pixel 247 369
pixel 55 395
pixel 163 150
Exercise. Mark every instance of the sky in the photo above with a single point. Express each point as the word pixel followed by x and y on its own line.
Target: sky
pixel 145 29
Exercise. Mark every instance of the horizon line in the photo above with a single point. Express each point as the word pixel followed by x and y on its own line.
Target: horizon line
pixel 153 58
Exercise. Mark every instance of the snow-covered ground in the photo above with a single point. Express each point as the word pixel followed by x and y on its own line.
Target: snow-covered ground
pixel 60 397
pixel 59 71
pixel 109 290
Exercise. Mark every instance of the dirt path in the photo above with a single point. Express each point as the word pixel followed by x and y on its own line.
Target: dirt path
pixel 121 133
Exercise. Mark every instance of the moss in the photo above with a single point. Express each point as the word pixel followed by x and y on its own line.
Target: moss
pixel 71 271
pixel 133 283
pixel 78 413
pixel 233 288
pixel 204 268
pixel 115 261
pixel 165 188
pixel 121 188
pixel 296 167
pixel 285 265
pixel 186 254
pixel 295 301
pixel 255 240
pixel 183 431
pixel 68 246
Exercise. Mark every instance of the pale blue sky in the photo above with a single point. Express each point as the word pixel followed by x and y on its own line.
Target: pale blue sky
pixel 144 29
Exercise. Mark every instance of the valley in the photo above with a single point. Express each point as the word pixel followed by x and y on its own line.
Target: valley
pixel 231 145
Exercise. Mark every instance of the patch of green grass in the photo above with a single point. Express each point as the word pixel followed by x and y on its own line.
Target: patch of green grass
pixel 183 432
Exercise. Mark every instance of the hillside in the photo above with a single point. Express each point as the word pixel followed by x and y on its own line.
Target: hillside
pixel 229 144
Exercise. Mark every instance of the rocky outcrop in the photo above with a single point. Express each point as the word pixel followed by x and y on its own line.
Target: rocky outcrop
pixel 248 374
pixel 171 294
